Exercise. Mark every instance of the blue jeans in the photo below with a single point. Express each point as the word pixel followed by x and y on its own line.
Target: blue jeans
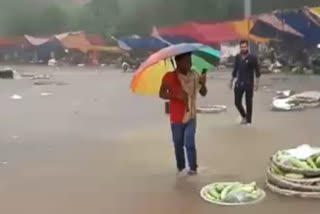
pixel 183 135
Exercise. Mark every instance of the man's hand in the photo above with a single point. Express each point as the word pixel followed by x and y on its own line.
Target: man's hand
pixel 256 85
pixel 231 84
pixel 203 79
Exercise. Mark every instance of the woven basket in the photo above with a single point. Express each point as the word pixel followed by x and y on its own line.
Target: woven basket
pixel 305 172
pixel 285 183
pixel 211 109
pixel 292 193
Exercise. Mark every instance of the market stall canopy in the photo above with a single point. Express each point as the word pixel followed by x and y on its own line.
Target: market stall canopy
pixel 298 20
pixel 75 41
pixel 109 49
pixel 36 41
pixel 316 10
pixel 269 25
pixel 145 43
pixel 6 41
pixel 209 33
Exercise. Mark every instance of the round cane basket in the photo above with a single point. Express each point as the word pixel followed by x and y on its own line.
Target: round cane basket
pixel 205 189
pixel 293 193
pixel 290 184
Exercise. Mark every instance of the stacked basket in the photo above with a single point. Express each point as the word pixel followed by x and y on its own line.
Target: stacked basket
pixel 292 176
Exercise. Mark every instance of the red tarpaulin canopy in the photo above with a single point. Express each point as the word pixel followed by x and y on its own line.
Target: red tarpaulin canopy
pixel 213 33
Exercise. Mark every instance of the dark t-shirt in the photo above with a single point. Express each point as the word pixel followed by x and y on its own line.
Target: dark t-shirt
pixel 245 68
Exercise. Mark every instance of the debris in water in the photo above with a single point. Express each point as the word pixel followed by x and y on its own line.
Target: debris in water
pixel 4 162
pixel 16 97
pixel 211 109
pixel 45 94
pixel 52 62
pixel 42 76
pixel 49 83
pixel 289 101
pixel 9 73
pixel 15 137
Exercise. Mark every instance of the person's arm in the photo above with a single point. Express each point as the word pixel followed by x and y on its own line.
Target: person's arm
pixel 257 72
pixel 234 72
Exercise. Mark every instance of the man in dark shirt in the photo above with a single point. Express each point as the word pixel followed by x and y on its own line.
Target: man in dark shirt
pixel 246 67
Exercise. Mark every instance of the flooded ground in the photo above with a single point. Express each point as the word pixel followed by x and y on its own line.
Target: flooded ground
pixel 93 147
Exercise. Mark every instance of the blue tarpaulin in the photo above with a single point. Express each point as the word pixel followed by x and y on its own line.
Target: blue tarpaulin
pixel 146 43
pixel 298 20
pixel 152 43
pixel 178 39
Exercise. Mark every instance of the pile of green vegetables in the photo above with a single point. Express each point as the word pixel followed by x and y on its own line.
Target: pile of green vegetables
pixel 312 162
pixel 232 192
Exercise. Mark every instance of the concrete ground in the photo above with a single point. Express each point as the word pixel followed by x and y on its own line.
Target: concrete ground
pixel 94 147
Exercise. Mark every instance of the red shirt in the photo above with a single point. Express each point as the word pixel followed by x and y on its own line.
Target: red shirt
pixel 177 107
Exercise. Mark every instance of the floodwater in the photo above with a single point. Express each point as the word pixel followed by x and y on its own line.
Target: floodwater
pixel 94 147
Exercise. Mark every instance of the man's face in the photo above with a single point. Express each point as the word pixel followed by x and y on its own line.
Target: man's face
pixel 185 63
pixel 244 48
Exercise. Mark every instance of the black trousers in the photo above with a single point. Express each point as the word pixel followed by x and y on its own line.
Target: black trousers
pixel 241 89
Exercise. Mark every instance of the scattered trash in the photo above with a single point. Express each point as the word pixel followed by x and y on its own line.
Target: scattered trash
pixel 283 79
pixel 4 162
pixel 49 83
pixel 42 76
pixel 15 137
pixel 211 109
pixel 45 94
pixel 81 65
pixel 285 105
pixel 27 75
pixel 286 93
pixel 267 88
pixel 52 62
pixel 289 101
pixel 9 73
pixel 16 97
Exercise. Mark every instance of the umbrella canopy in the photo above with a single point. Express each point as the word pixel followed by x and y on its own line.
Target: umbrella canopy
pixel 147 80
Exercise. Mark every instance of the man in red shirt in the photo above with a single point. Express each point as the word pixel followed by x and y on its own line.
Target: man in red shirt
pixel 180 87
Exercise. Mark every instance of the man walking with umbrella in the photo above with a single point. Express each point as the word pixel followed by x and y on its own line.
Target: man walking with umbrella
pixel 246 67
pixel 180 87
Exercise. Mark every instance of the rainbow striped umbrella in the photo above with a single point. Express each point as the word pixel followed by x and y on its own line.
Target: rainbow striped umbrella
pixel 147 79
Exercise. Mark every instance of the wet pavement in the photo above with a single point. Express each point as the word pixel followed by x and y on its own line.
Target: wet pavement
pixel 93 147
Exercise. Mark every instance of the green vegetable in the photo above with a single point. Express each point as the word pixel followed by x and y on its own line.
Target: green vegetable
pixel 318 162
pixel 276 170
pixel 252 196
pixel 299 164
pixel 279 156
pixel 220 187
pixel 311 163
pixel 228 189
pixel 253 184
pixel 295 176
pixel 210 197
pixel 213 192
pixel 247 188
